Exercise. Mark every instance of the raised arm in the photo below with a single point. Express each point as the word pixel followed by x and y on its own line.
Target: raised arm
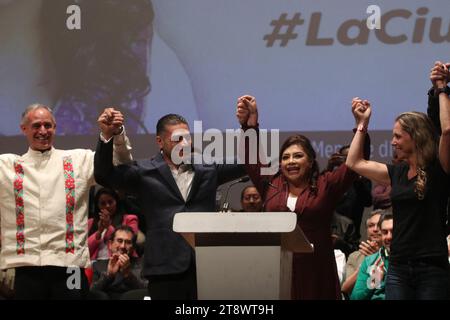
pixel 122 177
pixel 440 75
pixel 111 126
pixel 118 177
pixel 355 160
pixel 433 95
pixel 247 115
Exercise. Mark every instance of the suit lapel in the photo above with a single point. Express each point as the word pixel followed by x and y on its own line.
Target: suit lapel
pixel 198 173
pixel 165 172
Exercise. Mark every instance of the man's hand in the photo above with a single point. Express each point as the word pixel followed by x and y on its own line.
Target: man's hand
pixel 247 111
pixel 361 110
pixel 125 265
pixel 439 74
pixel 110 122
pixel 113 265
pixel 368 247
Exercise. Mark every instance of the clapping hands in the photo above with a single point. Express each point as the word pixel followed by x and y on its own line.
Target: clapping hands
pixel 119 262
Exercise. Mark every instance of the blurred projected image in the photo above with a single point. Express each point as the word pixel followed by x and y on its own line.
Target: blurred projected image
pixel 77 72
pixel 304 60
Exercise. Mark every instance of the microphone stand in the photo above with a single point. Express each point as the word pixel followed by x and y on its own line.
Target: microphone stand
pixel 269 184
pixel 226 204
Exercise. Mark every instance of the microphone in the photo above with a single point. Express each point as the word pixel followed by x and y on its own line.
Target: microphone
pixel 225 202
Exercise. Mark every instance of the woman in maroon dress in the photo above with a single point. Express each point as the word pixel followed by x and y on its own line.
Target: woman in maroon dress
pixel 298 187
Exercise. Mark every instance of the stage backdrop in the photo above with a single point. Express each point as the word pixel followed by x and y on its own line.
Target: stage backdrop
pixel 303 60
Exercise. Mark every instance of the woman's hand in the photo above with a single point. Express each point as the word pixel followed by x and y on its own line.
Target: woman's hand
pixel 247 111
pixel 361 110
pixel 103 223
pixel 440 74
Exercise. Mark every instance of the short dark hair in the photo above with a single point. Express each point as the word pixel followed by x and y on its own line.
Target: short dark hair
pixel 126 229
pixel 169 119
pixel 385 215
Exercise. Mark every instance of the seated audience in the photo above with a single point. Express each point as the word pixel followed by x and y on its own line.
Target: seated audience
pixel 251 200
pixel 343 234
pixel 370 283
pixel 122 272
pixel 108 215
pixel 366 248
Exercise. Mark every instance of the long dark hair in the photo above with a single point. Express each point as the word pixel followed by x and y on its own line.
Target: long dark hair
pixel 103 64
pixel 116 219
pixel 304 142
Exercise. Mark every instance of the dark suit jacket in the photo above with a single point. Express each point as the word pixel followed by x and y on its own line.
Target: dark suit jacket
pixel 118 284
pixel 166 252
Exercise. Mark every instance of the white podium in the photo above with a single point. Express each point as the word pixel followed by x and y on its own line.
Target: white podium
pixel 243 255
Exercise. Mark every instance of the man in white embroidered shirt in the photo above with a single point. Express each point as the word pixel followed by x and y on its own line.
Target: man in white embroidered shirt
pixel 43 207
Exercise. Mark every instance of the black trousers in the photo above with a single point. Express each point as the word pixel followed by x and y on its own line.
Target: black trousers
pixel 50 283
pixel 180 286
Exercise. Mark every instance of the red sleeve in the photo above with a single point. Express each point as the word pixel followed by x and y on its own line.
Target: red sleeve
pixel 93 243
pixel 132 221
pixel 341 179
pixel 254 169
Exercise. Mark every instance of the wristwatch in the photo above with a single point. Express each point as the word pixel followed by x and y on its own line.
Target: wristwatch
pixel 438 91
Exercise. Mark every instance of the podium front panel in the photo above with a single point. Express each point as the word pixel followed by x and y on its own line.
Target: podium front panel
pixel 237 239
pixel 241 273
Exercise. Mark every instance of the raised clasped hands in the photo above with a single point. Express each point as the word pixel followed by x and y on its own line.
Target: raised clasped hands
pixel 247 111
pixel 361 110
pixel 110 122
pixel 440 74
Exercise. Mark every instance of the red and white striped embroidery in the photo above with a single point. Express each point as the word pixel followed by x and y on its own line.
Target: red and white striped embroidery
pixel 20 210
pixel 70 202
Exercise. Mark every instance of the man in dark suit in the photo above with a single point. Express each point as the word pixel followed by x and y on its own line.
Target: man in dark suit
pixel 121 273
pixel 164 188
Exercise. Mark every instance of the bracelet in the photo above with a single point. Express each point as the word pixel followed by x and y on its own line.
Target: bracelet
pixel 362 128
